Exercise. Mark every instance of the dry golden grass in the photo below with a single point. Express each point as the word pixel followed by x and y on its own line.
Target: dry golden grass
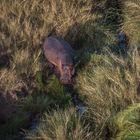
pixel 61 125
pixel 131 25
pixel 24 25
pixel 109 82
pixel 28 22
pixel 9 82
pixel 25 62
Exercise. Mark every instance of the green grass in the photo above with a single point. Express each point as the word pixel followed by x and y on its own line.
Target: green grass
pixel 109 84
pixel 132 21
pixel 106 82
pixel 61 125
pixel 127 123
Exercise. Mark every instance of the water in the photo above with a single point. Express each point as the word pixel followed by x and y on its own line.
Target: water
pixel 80 107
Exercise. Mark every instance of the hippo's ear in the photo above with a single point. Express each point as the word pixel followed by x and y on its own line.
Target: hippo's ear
pixel 73 71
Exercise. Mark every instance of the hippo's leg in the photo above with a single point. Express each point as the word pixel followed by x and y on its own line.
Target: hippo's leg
pixel 57 72
pixel 51 66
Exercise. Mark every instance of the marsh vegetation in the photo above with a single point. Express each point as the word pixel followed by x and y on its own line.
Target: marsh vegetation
pixel 107 81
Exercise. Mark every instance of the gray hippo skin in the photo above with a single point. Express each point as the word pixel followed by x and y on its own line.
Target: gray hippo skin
pixel 59 53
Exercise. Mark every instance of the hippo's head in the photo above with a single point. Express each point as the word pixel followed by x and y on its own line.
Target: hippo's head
pixel 67 73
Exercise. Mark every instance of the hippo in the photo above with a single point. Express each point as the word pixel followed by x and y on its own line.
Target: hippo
pixel 60 54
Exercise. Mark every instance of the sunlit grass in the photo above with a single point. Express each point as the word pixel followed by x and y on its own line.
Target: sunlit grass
pixel 61 125
pixel 105 82
pixel 131 25
pixel 109 84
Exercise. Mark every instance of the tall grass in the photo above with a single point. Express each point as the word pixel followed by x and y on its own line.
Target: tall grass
pixel 9 81
pixel 127 123
pixel 24 25
pixel 106 83
pixel 109 84
pixel 131 25
pixel 61 125
pixel 23 28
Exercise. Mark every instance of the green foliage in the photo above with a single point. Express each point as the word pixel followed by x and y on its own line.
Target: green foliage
pixel 13 125
pixel 41 102
pixel 127 123
pixel 109 85
pixel 61 125
pixel 40 79
pixel 105 82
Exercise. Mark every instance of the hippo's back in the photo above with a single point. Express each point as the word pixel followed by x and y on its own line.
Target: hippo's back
pixel 66 46
pixel 55 47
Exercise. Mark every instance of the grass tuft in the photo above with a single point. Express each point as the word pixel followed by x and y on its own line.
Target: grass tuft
pixel 60 125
